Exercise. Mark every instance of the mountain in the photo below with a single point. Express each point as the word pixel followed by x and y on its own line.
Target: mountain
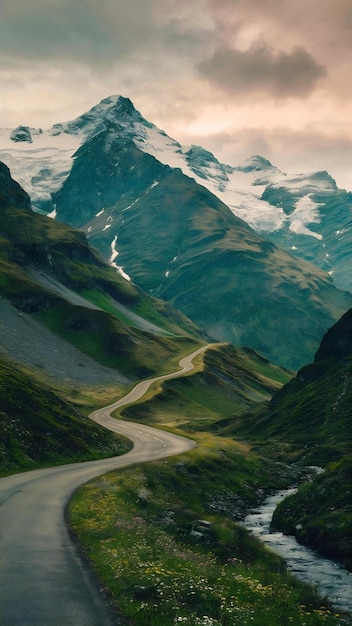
pixel 309 422
pixel 72 328
pixel 69 323
pixel 317 223
pixel 314 410
pixel 305 214
pixel 149 206
pixel 54 286
pixel 312 413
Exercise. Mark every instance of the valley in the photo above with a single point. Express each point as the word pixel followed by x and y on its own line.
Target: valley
pixel 140 252
pixel 37 548
pixel 329 577
pixel 199 234
pixel 75 598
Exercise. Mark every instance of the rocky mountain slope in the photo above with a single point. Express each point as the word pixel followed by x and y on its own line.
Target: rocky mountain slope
pixel 49 272
pixel 320 514
pixel 177 240
pixel 313 411
pixel 310 420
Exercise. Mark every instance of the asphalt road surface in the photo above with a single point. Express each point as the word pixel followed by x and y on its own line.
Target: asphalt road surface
pixel 43 581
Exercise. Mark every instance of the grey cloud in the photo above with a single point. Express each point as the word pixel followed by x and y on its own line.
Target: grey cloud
pixel 260 70
pixel 92 32
pixel 73 29
pixel 321 23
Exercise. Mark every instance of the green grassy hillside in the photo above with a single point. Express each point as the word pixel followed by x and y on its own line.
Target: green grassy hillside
pixel 49 271
pixel 39 427
pixel 227 381
pixel 51 280
pixel 310 421
pixel 312 413
pixel 164 541
pixel 320 514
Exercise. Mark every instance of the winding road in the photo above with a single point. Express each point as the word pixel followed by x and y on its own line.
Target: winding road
pixel 43 581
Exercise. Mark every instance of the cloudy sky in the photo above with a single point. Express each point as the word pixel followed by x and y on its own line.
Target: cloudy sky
pixel 239 77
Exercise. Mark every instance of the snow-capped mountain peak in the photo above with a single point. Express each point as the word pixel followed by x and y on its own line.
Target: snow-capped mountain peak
pixel 254 163
pixel 41 160
pixel 287 208
pixel 112 110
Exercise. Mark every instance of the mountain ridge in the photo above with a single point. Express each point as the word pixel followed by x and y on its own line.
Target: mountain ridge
pixel 49 271
pixel 254 190
pixel 57 253
pixel 128 177
pixel 74 334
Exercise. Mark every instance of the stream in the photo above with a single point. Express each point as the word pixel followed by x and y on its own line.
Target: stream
pixel 330 579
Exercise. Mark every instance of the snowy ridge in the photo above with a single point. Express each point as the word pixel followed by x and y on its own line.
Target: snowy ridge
pixel 41 166
pixel 41 160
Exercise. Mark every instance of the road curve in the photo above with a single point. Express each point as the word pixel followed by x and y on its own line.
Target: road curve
pixel 43 581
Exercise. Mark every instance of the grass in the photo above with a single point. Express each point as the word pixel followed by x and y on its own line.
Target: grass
pixel 169 321
pixel 311 415
pixel 107 340
pixel 319 520
pixel 39 426
pixel 226 382
pixel 135 529
pixel 135 525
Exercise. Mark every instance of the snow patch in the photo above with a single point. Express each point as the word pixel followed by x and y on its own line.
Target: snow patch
pixel 53 214
pixel 114 254
pixel 305 213
pixel 40 167
pixel 130 205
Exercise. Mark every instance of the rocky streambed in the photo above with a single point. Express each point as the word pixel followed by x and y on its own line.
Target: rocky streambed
pixel 330 578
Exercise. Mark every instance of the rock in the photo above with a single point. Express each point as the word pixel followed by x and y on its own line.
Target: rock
pixel 21 134
pixel 11 193
pixel 144 593
pixel 196 536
